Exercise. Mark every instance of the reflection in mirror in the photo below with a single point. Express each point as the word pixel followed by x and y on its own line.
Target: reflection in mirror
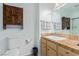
pixel 63 18
pixel 69 16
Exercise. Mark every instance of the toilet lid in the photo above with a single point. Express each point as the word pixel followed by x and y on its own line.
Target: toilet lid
pixel 12 52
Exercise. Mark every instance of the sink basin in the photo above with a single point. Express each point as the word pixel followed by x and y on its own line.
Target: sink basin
pixel 55 37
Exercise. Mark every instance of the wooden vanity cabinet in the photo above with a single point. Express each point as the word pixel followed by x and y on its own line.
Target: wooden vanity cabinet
pixel 43 47
pixel 51 48
pixel 12 15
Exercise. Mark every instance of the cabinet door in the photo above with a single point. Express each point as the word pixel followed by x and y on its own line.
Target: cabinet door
pixel 7 12
pixel 43 49
pixel 51 52
pixel 14 15
pixel 19 16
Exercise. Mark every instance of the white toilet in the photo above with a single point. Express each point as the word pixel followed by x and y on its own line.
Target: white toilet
pixel 12 52
pixel 9 48
pixel 12 47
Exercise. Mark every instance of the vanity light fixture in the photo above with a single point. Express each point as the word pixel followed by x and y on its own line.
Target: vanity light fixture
pixel 59 5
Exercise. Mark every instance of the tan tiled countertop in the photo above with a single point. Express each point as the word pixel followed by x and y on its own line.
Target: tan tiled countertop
pixel 67 43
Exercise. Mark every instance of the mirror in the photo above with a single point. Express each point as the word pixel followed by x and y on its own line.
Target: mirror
pixel 69 17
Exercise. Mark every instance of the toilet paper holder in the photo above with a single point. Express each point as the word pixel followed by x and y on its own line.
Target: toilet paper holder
pixel 27 41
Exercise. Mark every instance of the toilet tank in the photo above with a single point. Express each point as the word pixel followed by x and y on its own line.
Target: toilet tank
pixel 14 43
pixel 3 45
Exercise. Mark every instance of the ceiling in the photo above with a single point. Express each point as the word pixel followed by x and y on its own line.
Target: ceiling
pixel 70 6
pixel 47 6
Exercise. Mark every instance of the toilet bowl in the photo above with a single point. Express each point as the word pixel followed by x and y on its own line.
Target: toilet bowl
pixel 12 52
pixel 13 47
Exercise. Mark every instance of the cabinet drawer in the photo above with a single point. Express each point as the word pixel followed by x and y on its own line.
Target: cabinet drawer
pixel 43 40
pixel 52 45
pixel 51 52
pixel 64 52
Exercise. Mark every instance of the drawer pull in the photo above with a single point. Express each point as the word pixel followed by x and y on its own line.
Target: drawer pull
pixel 48 49
pixel 67 52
